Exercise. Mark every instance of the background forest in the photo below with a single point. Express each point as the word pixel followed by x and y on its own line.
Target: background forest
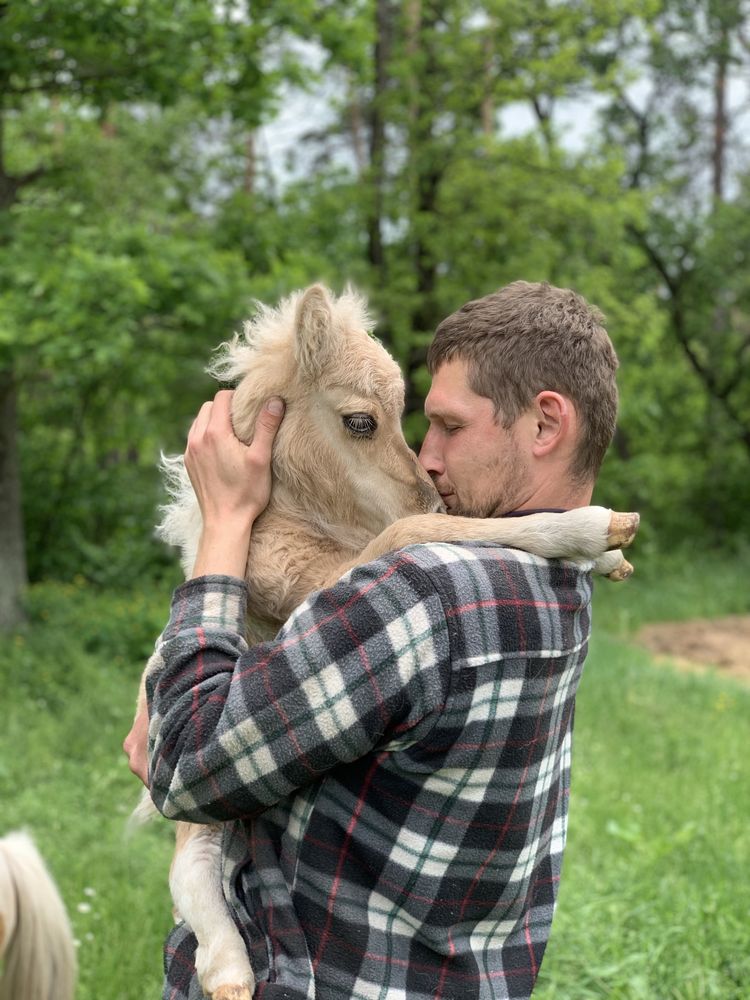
pixel 149 192
pixel 163 164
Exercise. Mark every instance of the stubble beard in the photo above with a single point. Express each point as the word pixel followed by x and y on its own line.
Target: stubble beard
pixel 508 495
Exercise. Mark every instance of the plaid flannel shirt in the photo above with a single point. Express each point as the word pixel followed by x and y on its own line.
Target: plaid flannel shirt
pixel 393 771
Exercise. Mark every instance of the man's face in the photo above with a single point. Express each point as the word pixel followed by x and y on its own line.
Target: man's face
pixel 476 464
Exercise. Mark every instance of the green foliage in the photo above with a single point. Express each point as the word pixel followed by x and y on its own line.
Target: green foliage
pixel 136 307
pixel 69 617
pixel 139 221
pixel 113 300
pixel 103 51
pixel 679 136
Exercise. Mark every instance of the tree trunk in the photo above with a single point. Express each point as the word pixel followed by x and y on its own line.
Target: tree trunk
pixel 720 115
pixel 13 577
pixel 248 180
pixel 357 127
pixel 428 166
pixel 383 28
pixel 487 107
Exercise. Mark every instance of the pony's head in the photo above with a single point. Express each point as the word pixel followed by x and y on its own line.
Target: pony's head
pixel 340 456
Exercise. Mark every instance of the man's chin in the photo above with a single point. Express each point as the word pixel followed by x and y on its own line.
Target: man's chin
pixel 456 509
pixel 449 502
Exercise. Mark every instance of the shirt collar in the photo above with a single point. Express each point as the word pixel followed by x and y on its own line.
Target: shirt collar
pixel 535 510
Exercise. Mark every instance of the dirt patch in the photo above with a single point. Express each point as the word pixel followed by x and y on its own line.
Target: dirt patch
pixel 702 644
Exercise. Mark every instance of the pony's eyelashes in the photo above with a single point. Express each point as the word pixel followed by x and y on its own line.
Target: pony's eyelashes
pixel 361 425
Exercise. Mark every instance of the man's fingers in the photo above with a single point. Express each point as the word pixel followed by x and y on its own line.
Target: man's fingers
pixel 199 425
pixel 221 413
pixel 214 422
pixel 215 415
pixel 268 422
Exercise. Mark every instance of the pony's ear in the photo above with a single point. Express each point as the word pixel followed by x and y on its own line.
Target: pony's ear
pixel 315 335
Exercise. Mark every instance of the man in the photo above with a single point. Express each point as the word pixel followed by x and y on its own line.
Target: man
pixel 394 766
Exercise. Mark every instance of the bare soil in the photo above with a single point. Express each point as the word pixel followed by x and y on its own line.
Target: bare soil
pixel 721 644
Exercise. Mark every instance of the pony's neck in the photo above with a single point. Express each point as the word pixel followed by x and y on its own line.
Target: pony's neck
pixel 290 556
pixel 319 523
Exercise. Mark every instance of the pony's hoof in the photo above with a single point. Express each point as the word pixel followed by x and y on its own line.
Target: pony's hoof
pixel 622 529
pixel 621 572
pixel 232 992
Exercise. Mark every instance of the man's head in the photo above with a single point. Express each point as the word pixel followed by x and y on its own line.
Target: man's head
pixel 523 401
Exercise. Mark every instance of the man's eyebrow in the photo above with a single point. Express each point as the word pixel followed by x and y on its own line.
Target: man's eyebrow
pixel 443 415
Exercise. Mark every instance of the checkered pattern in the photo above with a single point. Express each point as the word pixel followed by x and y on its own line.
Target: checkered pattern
pixel 392 769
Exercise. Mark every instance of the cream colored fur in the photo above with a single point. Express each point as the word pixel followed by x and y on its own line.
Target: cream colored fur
pixel 36 942
pixel 337 501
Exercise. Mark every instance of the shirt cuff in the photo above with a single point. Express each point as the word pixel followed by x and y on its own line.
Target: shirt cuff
pixel 210 602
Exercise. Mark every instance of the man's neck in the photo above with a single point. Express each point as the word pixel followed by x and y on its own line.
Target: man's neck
pixel 535 510
pixel 556 496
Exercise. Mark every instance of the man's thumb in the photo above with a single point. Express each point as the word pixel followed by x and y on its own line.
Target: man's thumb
pixel 271 416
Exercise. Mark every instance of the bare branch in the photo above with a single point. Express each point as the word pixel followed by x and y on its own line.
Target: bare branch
pixel 643 125
pixel 718 392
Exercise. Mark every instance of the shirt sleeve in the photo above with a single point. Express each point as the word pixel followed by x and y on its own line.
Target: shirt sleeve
pixel 234 729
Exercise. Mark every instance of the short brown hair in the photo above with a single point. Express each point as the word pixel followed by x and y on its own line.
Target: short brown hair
pixel 526 338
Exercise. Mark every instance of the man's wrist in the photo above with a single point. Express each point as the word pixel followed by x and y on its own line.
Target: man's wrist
pixel 223 548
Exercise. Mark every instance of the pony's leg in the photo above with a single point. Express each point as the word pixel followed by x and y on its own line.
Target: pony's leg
pixel 613 565
pixel 581 533
pixel 221 959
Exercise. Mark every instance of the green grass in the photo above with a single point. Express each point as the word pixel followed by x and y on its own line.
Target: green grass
pixel 69 684
pixel 673 588
pixel 654 899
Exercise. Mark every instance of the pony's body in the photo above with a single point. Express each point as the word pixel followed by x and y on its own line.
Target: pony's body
pixel 36 942
pixel 346 489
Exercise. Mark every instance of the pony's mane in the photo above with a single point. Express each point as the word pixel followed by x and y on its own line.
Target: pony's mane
pixel 271 331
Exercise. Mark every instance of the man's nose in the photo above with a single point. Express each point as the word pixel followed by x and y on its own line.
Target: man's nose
pixel 430 457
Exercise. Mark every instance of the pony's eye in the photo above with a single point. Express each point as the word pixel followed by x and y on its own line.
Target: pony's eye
pixel 360 425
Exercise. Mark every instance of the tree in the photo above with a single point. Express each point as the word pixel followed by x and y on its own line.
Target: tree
pixel 60 63
pixel 141 299
pixel 682 136
pixel 642 219
pixel 448 206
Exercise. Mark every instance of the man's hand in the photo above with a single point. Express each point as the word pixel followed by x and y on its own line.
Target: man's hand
pixel 136 745
pixel 232 481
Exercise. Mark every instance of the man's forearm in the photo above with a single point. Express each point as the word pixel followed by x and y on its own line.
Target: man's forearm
pixel 223 550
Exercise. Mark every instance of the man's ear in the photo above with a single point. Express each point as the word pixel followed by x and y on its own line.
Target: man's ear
pixel 555 422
